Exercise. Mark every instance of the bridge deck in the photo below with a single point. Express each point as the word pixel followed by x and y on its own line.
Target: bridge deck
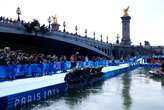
pixel 21 85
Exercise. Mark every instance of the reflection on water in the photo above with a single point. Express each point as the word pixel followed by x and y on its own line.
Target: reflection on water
pixel 126 78
pixel 67 100
pixel 77 96
pixel 135 90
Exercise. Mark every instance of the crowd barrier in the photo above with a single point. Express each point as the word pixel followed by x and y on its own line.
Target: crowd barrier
pixel 34 69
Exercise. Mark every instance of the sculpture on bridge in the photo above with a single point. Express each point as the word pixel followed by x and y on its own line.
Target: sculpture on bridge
pixel 54 19
pixel 55 25
pixel 126 11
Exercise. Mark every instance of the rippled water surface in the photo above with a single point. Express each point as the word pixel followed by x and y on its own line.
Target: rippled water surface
pixel 134 90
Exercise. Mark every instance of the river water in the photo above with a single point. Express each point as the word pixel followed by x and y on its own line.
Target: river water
pixel 134 90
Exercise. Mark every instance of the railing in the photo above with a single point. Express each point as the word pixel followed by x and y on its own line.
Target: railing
pixel 81 41
pixel 12 71
pixel 87 41
pixel 12 25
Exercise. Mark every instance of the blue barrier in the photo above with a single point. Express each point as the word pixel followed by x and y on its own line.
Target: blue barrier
pixel 151 65
pixel 3 72
pixel 33 69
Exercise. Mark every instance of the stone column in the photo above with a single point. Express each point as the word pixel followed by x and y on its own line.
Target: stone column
pixel 126 31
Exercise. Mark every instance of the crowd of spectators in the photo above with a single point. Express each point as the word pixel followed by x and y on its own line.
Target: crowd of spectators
pixel 10 20
pixel 30 27
pixel 154 60
pixel 9 57
pixel 34 26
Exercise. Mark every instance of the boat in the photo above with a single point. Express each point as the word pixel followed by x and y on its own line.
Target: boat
pixel 81 77
pixel 156 72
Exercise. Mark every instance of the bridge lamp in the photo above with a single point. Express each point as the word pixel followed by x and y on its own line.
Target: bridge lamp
pixel 101 37
pixel 107 39
pixel 49 21
pixel 64 25
pixel 85 32
pixel 76 29
pixel 18 11
pixel 94 34
pixel 117 41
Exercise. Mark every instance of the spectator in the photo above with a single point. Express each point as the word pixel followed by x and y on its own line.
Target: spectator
pixel 73 62
pixel 86 59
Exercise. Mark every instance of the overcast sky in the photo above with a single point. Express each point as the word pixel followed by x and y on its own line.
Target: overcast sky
pixel 100 16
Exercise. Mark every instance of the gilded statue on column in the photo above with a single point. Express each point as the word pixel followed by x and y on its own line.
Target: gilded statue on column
pixel 126 11
pixel 54 25
pixel 54 19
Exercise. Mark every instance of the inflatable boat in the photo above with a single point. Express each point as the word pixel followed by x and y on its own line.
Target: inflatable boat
pixel 156 72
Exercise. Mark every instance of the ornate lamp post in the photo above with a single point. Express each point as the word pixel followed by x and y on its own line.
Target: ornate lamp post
pixel 117 41
pixel 101 37
pixel 107 39
pixel 140 44
pixel 76 29
pixel 64 25
pixel 94 34
pixel 49 21
pixel 85 32
pixel 18 11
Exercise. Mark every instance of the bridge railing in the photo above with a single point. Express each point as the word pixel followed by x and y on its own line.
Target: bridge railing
pixel 11 25
pixel 39 69
pixel 87 41
pixel 91 43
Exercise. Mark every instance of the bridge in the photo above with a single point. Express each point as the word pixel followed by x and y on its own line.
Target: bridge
pixel 74 42
pixel 100 47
